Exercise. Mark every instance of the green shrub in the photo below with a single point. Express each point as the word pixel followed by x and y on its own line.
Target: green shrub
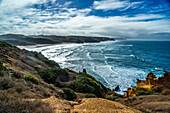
pixel 156 93
pixel 1 66
pixel 71 95
pixel 90 95
pixel 143 91
pixel 83 88
pixel 4 44
pixel 87 84
pixel 50 75
pixel 32 79
pixel 112 98
pixel 92 79
pixel 114 94
pixel 1 74
pixel 52 63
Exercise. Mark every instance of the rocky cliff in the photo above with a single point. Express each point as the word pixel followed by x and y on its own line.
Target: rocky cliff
pixel 150 85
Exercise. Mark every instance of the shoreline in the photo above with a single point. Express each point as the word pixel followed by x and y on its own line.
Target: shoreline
pixel 59 44
pixel 42 45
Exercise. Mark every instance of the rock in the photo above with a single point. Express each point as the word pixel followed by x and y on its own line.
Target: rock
pixel 116 88
pixel 84 71
pixel 159 85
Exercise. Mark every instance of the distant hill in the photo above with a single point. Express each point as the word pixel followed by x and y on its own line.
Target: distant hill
pixel 22 40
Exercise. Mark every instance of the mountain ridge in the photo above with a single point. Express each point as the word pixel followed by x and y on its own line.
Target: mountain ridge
pixel 22 40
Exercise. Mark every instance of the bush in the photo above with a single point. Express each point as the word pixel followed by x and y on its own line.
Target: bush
pixel 1 74
pixel 51 63
pixel 1 66
pixel 50 75
pixel 32 79
pixel 83 86
pixel 156 93
pixel 112 98
pixel 4 44
pixel 143 91
pixel 17 75
pixel 87 84
pixel 69 93
pixel 90 95
pixel 6 83
pixel 114 94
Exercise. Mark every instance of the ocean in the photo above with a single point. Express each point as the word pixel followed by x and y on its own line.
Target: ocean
pixel 113 62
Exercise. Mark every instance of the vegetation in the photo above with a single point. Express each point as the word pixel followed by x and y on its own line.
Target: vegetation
pixel 32 79
pixel 10 104
pixel 41 57
pixel 51 74
pixel 4 44
pixel 28 90
pixel 114 94
pixel 52 63
pixel 71 95
pixel 1 74
pixel 112 98
pixel 143 91
pixel 90 95
pixel 1 68
pixel 156 93
pixel 87 84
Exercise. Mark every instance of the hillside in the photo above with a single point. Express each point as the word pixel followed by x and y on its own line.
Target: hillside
pixel 31 82
pixel 22 40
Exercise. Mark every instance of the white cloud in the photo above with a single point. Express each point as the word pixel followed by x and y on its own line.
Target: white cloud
pixel 73 21
pixel 113 4
pixel 8 6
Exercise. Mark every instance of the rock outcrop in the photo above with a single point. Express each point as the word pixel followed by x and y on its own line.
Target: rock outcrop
pixel 159 85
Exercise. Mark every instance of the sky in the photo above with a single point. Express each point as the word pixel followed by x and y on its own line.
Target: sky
pixel 132 19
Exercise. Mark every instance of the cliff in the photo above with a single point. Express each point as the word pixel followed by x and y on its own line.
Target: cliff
pixel 149 96
pixel 152 84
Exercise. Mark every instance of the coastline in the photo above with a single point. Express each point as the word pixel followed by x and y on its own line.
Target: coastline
pixel 16 71
pixel 42 45
pixel 61 44
pixel 83 58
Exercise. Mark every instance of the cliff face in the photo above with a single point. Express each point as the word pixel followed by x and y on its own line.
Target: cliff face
pixel 160 85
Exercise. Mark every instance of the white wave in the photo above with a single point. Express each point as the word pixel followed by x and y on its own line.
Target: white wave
pixel 88 55
pixel 124 45
pixel 158 69
pixel 132 55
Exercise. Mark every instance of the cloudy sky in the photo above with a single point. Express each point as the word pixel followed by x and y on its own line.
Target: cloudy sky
pixel 139 19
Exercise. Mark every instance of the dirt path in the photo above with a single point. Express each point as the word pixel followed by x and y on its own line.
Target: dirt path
pixel 88 105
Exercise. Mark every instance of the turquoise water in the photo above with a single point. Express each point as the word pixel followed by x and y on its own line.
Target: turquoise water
pixel 113 63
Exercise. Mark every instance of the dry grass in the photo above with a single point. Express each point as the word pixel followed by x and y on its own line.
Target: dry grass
pixel 27 89
pixel 10 104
